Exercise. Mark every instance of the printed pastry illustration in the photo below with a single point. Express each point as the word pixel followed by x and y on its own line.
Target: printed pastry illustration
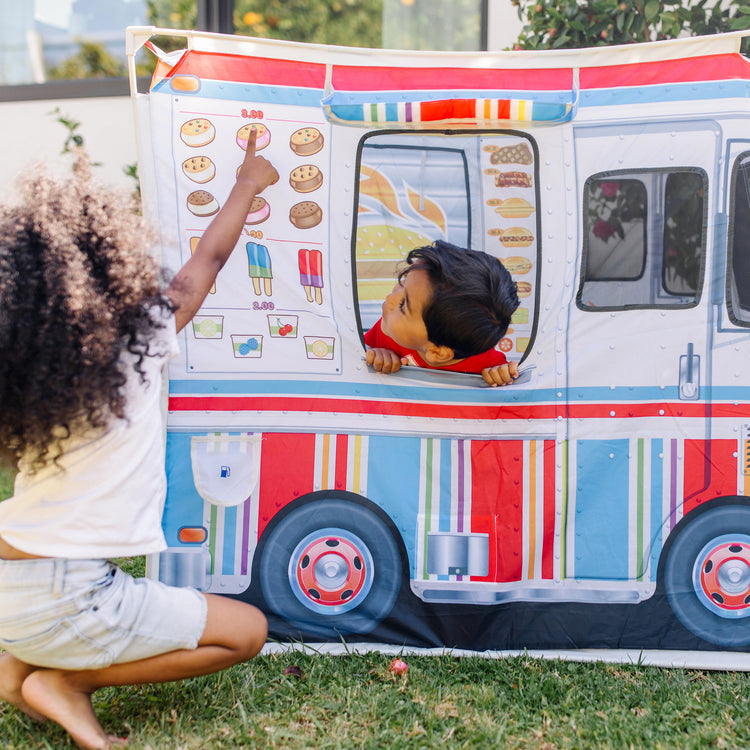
pixel 513 179
pixel 516 237
pixel 306 141
pixel 198 132
pixel 262 136
pixel 199 169
pixel 306 178
pixel 514 208
pixel 518 154
pixel 311 274
pixel 259 268
pixel 202 203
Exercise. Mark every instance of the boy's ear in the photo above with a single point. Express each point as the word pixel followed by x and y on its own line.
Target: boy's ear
pixel 437 355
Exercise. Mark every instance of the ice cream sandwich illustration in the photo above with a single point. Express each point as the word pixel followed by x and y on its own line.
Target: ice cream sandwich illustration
pixel 259 211
pixel 202 203
pixel 199 169
pixel 311 274
pixel 306 141
pixel 513 179
pixel 518 154
pixel 198 132
pixel 305 215
pixel 259 268
pixel 515 208
pixel 262 135
pixel 306 178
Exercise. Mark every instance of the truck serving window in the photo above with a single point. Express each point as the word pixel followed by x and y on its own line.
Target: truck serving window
pixel 477 190
pixel 643 239
pixel 738 289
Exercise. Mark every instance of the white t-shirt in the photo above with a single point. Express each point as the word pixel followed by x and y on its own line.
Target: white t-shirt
pixel 106 496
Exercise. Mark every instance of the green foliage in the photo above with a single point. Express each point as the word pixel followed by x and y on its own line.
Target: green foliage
pixel 173 14
pixel 91 61
pixel 354 23
pixel 555 24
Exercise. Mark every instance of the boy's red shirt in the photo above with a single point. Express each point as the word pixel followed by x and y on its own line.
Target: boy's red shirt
pixel 376 339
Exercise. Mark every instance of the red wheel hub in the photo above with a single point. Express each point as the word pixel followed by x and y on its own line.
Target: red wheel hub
pixel 330 571
pixel 725 575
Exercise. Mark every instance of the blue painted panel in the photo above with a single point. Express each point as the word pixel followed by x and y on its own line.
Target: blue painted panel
pixel 601 521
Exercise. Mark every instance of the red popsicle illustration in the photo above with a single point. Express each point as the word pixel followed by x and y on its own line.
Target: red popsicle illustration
pixel 311 274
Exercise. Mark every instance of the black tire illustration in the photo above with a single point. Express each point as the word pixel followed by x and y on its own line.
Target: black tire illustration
pixel 331 567
pixel 707 575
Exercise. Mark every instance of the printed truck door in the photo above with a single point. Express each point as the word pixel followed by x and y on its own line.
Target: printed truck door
pixel 637 343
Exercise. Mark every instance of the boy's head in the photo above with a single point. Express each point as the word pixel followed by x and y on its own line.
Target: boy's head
pixel 451 302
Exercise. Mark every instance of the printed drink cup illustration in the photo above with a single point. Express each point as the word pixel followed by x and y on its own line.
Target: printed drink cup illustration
pixel 247 345
pixel 208 326
pixel 283 326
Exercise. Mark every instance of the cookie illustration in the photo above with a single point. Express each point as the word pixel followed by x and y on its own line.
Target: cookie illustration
pixel 259 211
pixel 198 132
pixel 262 136
pixel 199 169
pixel 513 179
pixel 306 141
pixel 306 178
pixel 202 203
pixel 516 237
pixel 305 215
pixel 512 208
pixel 518 154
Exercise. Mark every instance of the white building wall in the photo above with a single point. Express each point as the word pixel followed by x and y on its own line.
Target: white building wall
pixel 37 138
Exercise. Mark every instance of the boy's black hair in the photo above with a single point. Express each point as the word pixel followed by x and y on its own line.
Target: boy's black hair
pixel 473 297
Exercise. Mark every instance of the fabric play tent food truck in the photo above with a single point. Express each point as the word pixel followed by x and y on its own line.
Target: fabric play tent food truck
pixel 603 500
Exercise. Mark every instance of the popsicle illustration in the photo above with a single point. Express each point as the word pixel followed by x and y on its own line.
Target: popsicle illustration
pixel 193 244
pixel 311 274
pixel 259 267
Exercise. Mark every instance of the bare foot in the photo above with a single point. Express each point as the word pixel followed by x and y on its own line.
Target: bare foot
pixel 12 674
pixel 55 694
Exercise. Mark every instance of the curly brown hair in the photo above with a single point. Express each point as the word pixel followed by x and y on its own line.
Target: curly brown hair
pixel 76 286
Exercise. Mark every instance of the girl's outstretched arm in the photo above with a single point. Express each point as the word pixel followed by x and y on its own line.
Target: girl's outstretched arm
pixel 194 280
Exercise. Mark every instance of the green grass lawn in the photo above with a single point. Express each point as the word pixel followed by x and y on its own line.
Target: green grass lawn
pixel 353 701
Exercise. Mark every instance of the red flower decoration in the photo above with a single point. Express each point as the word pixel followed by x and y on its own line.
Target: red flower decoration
pixel 603 230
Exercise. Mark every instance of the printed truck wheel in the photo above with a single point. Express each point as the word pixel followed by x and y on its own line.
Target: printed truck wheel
pixel 707 576
pixel 331 567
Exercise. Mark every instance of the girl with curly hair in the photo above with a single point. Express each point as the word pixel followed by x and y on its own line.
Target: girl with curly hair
pixel 84 332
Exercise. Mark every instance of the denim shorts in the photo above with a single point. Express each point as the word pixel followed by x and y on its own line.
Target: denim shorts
pixel 89 614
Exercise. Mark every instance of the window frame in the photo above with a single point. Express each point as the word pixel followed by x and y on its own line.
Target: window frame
pixel 654 221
